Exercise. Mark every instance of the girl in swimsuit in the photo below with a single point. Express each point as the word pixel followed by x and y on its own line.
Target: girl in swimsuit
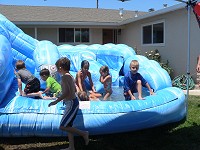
pixel 106 80
pixel 81 75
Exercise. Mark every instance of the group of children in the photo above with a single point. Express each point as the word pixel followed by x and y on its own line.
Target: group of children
pixel 53 88
pixel 69 88
pixel 133 82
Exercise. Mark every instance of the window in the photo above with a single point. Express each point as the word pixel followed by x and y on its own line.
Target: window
pixel 73 35
pixel 153 33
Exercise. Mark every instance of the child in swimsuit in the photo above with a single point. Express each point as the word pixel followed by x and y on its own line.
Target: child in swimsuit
pixel 106 80
pixel 69 97
pixel 83 96
pixel 133 82
pixel 81 75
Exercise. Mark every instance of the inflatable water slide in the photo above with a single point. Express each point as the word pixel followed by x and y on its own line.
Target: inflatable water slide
pixel 25 117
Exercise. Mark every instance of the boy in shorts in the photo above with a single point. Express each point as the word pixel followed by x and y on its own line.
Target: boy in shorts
pixel 133 82
pixel 32 84
pixel 69 97
pixel 53 88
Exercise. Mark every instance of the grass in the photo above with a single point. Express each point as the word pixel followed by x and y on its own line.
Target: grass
pixel 185 136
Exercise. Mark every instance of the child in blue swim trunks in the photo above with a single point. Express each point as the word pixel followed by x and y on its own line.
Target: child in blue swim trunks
pixel 69 97
pixel 133 82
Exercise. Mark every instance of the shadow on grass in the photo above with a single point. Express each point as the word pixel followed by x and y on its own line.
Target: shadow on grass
pixel 159 138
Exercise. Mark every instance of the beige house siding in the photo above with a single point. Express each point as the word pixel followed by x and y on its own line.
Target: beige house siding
pixel 51 34
pixel 176 40
pixel 29 31
pixel 96 36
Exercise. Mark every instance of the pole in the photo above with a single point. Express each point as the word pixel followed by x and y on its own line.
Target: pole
pixel 189 3
pixel 97 4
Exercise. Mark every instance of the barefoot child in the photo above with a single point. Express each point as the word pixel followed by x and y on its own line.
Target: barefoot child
pixel 53 88
pixel 81 75
pixel 69 97
pixel 133 82
pixel 83 96
pixel 32 87
pixel 106 80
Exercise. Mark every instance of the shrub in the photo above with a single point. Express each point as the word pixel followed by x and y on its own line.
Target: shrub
pixel 155 55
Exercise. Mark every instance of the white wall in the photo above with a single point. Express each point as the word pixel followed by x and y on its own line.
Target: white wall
pixel 176 40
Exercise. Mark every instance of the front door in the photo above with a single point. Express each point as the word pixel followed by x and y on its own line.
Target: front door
pixel 109 36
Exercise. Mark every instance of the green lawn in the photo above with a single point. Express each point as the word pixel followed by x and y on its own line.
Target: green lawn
pixel 185 136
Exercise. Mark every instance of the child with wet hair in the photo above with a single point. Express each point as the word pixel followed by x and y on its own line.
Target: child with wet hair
pixel 70 99
pixel 106 80
pixel 133 82
pixel 81 76
pixel 32 84
pixel 83 96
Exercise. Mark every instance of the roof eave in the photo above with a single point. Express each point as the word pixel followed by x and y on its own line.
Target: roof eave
pixel 155 13
pixel 67 23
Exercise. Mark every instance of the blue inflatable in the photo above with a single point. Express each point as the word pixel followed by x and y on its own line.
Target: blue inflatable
pixel 23 117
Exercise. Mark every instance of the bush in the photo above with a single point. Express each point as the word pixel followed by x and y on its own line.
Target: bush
pixel 155 55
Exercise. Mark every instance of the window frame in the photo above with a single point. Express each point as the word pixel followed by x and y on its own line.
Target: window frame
pixel 152 34
pixel 74 34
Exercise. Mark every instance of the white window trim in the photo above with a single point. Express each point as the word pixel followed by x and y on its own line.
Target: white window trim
pixel 151 23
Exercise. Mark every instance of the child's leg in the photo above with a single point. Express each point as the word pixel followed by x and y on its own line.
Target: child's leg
pixel 139 89
pixel 107 95
pixel 71 141
pixel 95 94
pixel 35 94
pixel 72 130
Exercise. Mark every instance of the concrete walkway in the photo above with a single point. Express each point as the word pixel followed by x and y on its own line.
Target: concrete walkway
pixel 193 92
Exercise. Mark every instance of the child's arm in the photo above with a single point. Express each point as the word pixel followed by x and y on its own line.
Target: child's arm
pixel 20 86
pixel 46 90
pixel 149 88
pixel 103 80
pixel 79 81
pixel 127 87
pixel 65 92
pixel 91 83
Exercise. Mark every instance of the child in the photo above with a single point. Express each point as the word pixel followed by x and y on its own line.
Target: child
pixel 82 95
pixel 68 96
pixel 32 88
pixel 81 75
pixel 53 88
pixel 133 82
pixel 106 80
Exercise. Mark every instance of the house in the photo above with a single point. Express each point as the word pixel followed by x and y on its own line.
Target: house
pixel 62 25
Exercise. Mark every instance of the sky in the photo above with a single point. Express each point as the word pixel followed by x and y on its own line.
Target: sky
pixel 140 5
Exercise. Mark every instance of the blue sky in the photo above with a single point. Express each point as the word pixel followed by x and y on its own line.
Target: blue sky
pixel 141 5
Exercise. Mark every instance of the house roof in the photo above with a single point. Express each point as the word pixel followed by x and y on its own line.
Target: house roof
pixel 62 15
pixel 49 15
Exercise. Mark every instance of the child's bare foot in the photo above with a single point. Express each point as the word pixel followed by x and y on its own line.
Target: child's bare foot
pixel 141 98
pixel 40 95
pixel 86 137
